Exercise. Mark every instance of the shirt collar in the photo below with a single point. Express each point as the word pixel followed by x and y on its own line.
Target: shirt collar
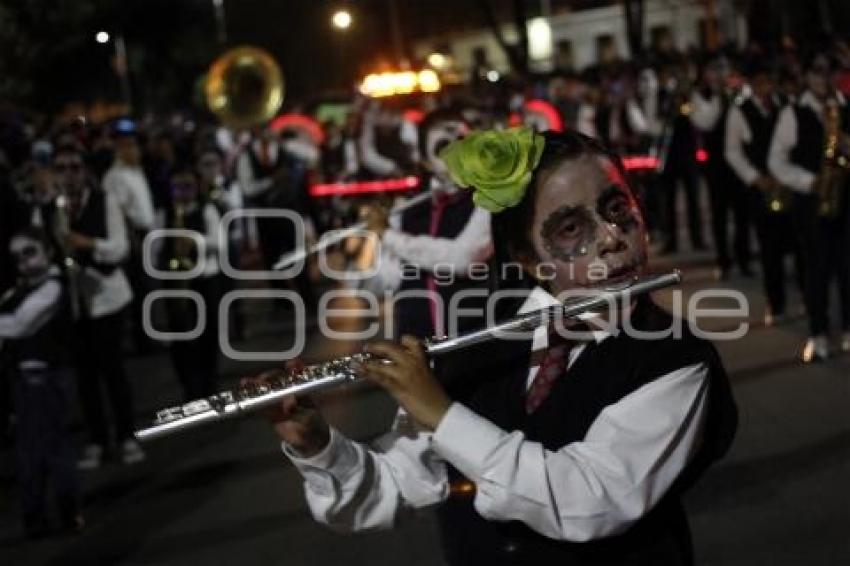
pixel 539 299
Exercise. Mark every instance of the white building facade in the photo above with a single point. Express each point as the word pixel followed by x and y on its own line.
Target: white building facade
pixel 579 39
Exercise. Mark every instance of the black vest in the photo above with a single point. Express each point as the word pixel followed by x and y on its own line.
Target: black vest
pixel 761 131
pixel 808 153
pixel 92 222
pixel 603 374
pixel 289 187
pixel 602 121
pixel 50 344
pixel 413 315
pixel 388 143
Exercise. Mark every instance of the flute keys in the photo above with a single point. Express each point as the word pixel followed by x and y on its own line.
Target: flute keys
pixel 169 415
pixel 195 407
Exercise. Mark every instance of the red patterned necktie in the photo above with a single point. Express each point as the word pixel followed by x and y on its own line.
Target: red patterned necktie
pixel 551 368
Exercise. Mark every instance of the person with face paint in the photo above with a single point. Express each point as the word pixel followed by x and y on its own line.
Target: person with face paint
pixel 555 448
pixel 796 159
pixel 443 236
pixel 35 324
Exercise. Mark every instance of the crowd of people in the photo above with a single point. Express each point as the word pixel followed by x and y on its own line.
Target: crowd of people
pixel 766 132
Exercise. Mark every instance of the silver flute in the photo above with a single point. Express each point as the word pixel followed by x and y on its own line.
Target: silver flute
pixel 280 383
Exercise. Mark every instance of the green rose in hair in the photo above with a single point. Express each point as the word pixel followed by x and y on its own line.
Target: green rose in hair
pixel 497 164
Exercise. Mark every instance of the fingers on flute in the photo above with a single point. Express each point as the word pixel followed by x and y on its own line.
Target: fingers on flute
pixel 393 352
pixel 379 373
pixel 414 346
pixel 294 365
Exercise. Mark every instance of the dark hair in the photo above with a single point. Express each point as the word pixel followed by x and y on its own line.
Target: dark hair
pixel 68 148
pixel 511 228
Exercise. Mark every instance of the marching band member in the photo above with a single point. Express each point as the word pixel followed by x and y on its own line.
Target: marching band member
pixel 578 455
pixel 798 159
pixel 387 142
pixel 35 323
pixel 127 183
pixel 272 174
pixel 447 233
pixel 677 150
pixel 196 360
pixel 98 241
pixel 709 108
pixel 749 128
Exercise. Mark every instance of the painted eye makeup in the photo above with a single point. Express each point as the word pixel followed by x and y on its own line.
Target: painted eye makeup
pixel 568 232
pixel 615 207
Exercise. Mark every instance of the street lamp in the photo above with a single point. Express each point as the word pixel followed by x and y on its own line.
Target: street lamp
pixel 341 19
pixel 120 63
pixel 437 60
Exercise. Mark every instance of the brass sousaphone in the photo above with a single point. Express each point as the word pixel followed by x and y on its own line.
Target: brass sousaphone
pixel 244 87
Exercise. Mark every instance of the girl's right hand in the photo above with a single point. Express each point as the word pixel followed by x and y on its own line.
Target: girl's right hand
pixel 296 420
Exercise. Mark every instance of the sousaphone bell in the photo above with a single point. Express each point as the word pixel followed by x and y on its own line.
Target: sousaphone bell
pixel 245 87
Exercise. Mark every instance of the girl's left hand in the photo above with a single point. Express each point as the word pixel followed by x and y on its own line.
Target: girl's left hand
pixel 408 379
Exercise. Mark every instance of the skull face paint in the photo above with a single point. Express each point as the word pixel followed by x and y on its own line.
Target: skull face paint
pixel 31 258
pixel 570 231
pixel 440 135
pixel 586 222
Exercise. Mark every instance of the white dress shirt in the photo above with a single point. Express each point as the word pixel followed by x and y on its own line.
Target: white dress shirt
pixel 592 488
pixel 705 112
pixel 104 294
pixel 214 238
pixel 130 188
pixel 785 139
pixel 737 135
pixel 455 255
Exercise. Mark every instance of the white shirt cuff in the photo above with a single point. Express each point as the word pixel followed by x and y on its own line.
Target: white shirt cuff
pixel 335 463
pixel 751 176
pixel 465 440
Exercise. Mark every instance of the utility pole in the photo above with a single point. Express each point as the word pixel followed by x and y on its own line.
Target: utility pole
pixel 122 70
pixel 398 39
pixel 220 23
pixel 711 38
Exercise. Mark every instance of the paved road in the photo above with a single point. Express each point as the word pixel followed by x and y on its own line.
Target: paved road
pixel 225 495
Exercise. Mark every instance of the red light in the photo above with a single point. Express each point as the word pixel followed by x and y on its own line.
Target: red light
pixel 364 187
pixel 414 115
pixel 514 119
pixel 299 122
pixel 702 155
pixel 640 162
pixel 549 112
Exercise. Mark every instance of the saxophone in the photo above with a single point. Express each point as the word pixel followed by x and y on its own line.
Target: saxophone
pixel 61 230
pixel 181 258
pixel 834 165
